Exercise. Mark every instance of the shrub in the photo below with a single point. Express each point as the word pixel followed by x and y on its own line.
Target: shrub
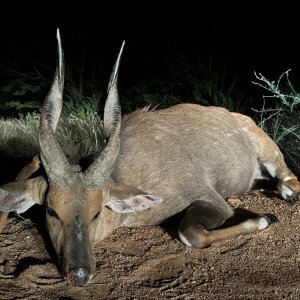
pixel 279 116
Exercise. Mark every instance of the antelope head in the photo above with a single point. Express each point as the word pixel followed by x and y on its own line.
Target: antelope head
pixel 75 201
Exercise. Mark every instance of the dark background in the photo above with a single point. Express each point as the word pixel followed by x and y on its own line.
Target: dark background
pixel 244 36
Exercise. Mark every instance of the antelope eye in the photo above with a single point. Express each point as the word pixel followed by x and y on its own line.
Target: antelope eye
pixel 52 213
pixel 96 216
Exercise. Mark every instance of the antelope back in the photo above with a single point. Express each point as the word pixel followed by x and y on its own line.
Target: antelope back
pixel 182 152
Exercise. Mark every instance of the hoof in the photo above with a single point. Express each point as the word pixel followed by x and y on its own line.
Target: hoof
pixel 292 198
pixel 271 218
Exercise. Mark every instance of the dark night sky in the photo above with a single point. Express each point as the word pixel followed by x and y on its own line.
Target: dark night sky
pixel 249 35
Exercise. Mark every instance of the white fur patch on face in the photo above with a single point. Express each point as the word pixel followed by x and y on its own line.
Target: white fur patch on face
pixel 183 239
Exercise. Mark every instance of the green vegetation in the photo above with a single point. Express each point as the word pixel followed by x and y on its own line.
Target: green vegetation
pixel 19 95
pixel 78 137
pixel 79 131
pixel 279 116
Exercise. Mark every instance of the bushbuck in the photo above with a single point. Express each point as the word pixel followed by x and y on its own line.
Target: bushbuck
pixel 155 164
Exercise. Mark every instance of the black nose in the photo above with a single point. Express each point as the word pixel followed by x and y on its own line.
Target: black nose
pixel 79 276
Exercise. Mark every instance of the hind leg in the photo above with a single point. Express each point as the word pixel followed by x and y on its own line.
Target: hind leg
pixel 270 158
pixel 197 227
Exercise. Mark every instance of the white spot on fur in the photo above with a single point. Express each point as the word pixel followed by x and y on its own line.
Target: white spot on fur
pixel 285 191
pixel 263 223
pixel 287 178
pixel 260 224
pixel 271 169
pixel 183 239
pixel 234 132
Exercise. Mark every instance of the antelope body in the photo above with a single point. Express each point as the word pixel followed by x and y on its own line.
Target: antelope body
pixel 154 165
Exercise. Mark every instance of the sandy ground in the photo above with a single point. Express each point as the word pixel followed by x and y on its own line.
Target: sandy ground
pixel 149 263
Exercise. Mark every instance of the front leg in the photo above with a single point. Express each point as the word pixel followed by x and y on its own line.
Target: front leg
pixel 25 173
pixel 199 227
pixel 29 169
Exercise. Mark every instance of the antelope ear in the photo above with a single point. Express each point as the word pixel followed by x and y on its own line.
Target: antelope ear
pixel 19 196
pixel 126 199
